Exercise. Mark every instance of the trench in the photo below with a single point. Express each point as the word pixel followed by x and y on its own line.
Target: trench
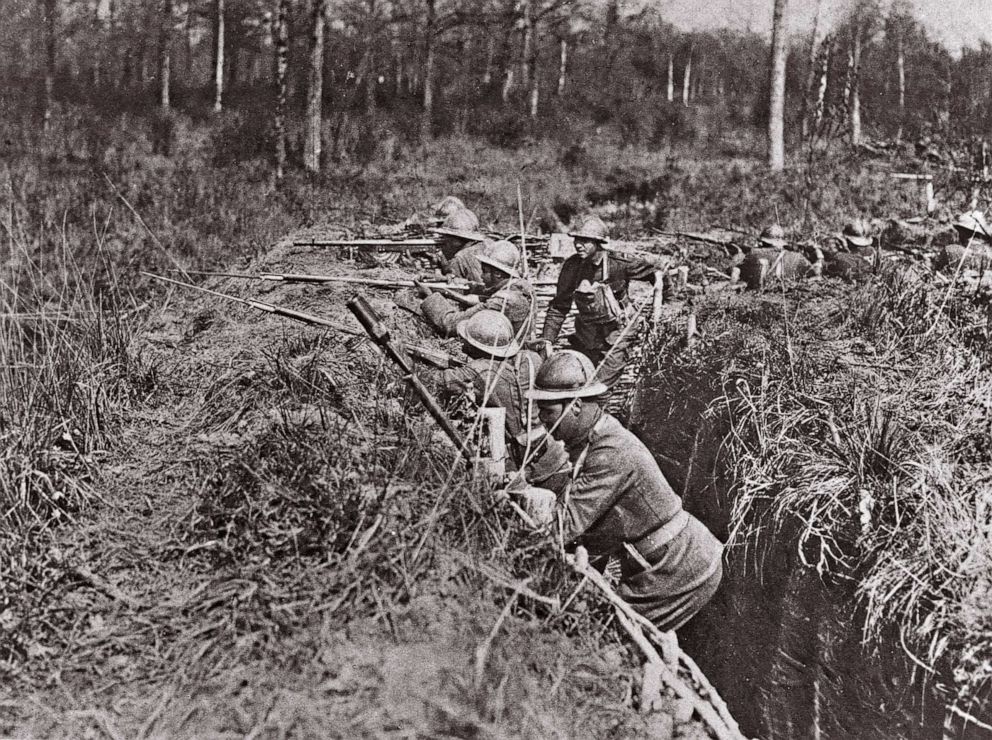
pixel 783 647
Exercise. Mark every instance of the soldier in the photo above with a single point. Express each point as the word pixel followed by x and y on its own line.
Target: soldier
pixel 503 291
pixel 973 250
pixel 448 206
pixel 619 503
pixel 857 238
pixel 499 374
pixel 596 279
pixel 773 237
pixel 459 243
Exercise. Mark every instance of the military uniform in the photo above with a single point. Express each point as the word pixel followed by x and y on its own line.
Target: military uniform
pixel 464 264
pixel 601 319
pixel 514 298
pixel 619 503
pixel 504 383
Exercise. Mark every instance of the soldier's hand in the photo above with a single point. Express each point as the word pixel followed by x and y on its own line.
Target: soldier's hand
pixel 422 290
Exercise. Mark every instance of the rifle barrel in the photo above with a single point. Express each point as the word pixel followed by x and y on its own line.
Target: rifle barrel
pixel 382 245
pixel 318 279
pixel 288 313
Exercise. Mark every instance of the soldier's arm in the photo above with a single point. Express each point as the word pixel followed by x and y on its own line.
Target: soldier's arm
pixel 444 315
pixel 560 305
pixel 639 267
pixel 595 490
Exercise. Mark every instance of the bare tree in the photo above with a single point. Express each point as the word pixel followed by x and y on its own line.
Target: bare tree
pixel 776 96
pixel 814 45
pixel 854 106
pixel 281 40
pixel 315 89
pixel 50 12
pixel 218 56
pixel 670 92
pixel 686 78
pixel 165 55
pixel 562 64
pixel 427 114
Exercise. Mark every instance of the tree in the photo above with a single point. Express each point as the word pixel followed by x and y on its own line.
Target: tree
pixel 776 95
pixel 427 114
pixel 218 56
pixel 315 89
pixel 50 13
pixel 281 39
pixel 165 55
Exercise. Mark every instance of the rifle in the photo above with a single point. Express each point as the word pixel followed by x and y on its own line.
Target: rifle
pixel 373 325
pixel 306 318
pixel 437 358
pixel 699 238
pixel 375 245
pixel 289 277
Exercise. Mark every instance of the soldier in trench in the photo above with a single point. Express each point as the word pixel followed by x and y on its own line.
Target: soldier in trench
pixel 596 279
pixel 503 291
pixel 499 373
pixel 618 502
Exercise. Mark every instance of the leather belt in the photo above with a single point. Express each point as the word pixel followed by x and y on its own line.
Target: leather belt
pixel 651 543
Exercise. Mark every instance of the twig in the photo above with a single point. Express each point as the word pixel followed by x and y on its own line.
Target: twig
pixel 101 584
pixel 496 577
pixel 482 652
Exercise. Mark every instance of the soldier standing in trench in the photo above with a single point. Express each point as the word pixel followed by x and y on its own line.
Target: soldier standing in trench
pixel 596 279
pixel 499 373
pixel 618 502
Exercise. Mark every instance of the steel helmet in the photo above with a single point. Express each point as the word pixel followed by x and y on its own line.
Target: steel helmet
pixel 566 374
pixel 973 221
pixel 448 205
pixel 462 224
pixel 774 236
pixel 856 233
pixel 502 255
pixel 489 331
pixel 592 228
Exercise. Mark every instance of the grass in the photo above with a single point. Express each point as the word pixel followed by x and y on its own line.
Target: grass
pixel 854 443
pixel 278 533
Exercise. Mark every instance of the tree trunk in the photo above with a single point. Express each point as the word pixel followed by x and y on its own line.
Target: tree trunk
pixel 901 76
pixel 687 78
pixel 527 42
pixel 612 19
pixel 219 56
pixel 562 66
pixel 670 93
pixel 508 84
pixel 50 10
pixel 811 75
pixel 776 97
pixel 826 49
pixel 856 86
pixel 315 89
pixel 487 75
pixel 281 41
pixel 534 86
pixel 165 56
pixel 427 115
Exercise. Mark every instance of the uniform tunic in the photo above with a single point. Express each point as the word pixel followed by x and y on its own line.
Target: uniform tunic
pixel 464 264
pixel 514 298
pixel 618 497
pixel 595 332
pixel 503 384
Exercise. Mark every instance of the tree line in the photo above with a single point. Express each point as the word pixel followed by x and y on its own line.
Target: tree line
pixel 443 66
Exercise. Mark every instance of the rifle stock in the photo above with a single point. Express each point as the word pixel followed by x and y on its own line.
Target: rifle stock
pixel 374 327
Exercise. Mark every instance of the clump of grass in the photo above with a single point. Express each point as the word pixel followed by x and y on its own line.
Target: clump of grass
pixel 856 427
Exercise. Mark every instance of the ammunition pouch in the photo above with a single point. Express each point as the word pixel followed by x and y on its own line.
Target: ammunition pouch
pixel 598 304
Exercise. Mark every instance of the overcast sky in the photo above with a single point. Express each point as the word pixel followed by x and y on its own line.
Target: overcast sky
pixel 955 22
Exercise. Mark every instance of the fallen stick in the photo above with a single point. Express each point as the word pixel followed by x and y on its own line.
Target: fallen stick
pixel 706 688
pixel 101 584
